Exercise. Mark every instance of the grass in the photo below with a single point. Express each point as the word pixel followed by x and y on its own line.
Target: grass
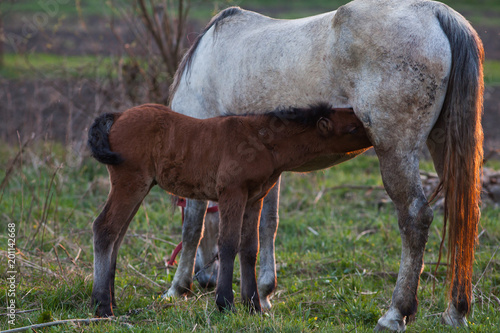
pixel 45 65
pixel 492 72
pixel 58 8
pixel 338 278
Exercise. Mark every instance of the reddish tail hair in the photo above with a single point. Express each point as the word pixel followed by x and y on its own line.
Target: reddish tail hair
pixel 462 111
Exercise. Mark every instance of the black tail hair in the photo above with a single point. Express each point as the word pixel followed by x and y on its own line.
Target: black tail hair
pixel 98 140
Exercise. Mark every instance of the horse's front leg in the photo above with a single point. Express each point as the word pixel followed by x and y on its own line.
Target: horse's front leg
pixel 206 267
pixel 231 208
pixel 249 248
pixel 192 230
pixel 267 235
pixel 400 173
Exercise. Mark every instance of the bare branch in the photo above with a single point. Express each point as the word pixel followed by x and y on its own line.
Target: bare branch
pixel 58 322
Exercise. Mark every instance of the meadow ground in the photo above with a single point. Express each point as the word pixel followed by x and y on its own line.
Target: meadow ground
pixel 338 251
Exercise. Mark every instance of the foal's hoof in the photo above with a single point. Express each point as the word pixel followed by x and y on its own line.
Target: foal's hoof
pixel 224 305
pixel 254 309
pixel 226 308
pixel 104 311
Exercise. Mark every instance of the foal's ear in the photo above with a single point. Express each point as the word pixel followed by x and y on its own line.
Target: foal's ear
pixel 325 126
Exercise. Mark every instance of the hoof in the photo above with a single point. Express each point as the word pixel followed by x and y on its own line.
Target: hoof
pixel 266 285
pixel 225 307
pixel 452 317
pixel 104 312
pixel 394 327
pixel 392 321
pixel 265 303
pixel 176 292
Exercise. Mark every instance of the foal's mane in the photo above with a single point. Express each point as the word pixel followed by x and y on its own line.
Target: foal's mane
pixel 188 57
pixel 306 116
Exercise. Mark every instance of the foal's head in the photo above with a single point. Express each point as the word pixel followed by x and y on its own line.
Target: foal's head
pixel 342 130
pixel 338 128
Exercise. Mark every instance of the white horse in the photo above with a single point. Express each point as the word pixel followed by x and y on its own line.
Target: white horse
pixel 412 72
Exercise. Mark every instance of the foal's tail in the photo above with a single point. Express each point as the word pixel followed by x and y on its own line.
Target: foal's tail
pixel 98 140
pixel 463 152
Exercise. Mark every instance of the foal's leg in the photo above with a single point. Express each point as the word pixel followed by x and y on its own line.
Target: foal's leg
pixel 400 173
pixel 191 234
pixel 231 208
pixel 267 234
pixel 249 248
pixel 114 255
pixel 109 229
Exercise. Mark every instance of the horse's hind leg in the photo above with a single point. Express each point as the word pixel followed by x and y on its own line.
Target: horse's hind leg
pixel 436 145
pixel 206 265
pixel 192 229
pixel 249 248
pixel 267 234
pixel 109 229
pixel 400 173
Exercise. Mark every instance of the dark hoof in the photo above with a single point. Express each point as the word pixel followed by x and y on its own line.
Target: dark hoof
pixel 104 312
pixel 253 309
pixel 224 305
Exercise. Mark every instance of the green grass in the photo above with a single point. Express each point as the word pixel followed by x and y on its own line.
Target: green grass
pixel 45 65
pixel 492 72
pixel 58 8
pixel 340 280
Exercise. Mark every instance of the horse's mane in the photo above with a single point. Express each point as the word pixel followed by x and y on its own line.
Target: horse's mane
pixel 306 116
pixel 188 57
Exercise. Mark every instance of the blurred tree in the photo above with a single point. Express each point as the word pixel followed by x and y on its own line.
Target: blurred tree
pixel 167 26
pixel 2 39
pixel 153 54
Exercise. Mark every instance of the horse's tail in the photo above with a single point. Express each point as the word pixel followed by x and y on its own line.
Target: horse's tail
pixel 463 151
pixel 98 139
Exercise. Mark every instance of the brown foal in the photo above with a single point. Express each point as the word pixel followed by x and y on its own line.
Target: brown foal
pixel 151 144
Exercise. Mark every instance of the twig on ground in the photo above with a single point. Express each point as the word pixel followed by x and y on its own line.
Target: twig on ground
pixel 58 322
pixel 366 232
pixel 314 232
pixel 144 276
pixel 59 263
pixel 19 312
pixel 486 268
pixel 319 195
